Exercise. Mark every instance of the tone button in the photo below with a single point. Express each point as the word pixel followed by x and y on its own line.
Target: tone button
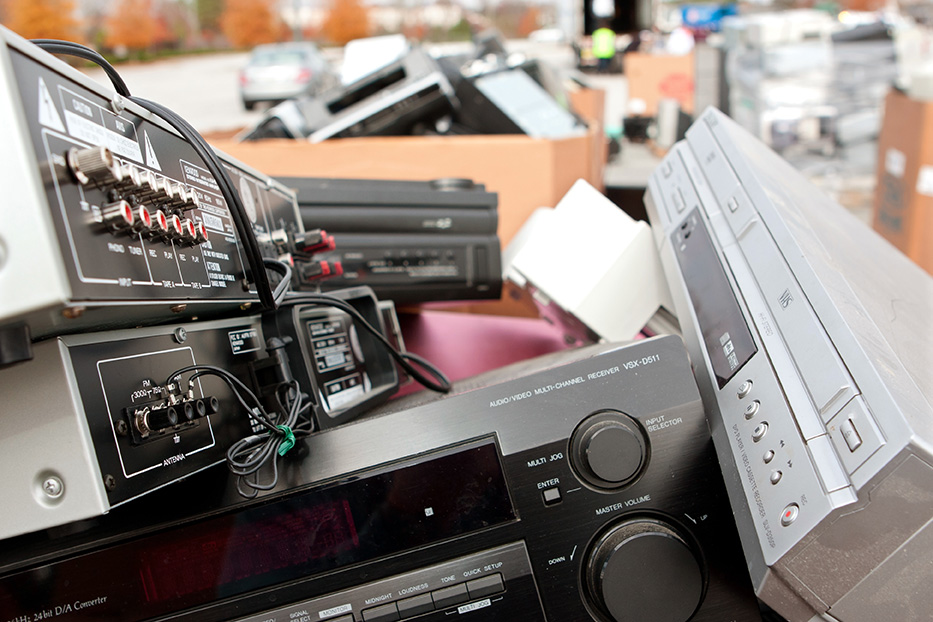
pixel 448 596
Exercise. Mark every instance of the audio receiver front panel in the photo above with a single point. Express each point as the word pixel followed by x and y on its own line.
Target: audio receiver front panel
pixel 136 214
pixel 588 491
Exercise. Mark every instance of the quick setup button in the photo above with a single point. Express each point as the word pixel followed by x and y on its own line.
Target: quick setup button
pixel 485 586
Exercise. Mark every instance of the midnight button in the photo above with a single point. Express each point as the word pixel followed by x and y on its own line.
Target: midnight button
pixel 382 613
pixel 416 605
pixel 447 596
pixel 485 586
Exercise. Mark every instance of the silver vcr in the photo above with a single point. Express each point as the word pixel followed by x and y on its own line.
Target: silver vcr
pixel 811 341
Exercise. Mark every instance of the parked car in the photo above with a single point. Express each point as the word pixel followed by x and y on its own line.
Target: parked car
pixel 280 71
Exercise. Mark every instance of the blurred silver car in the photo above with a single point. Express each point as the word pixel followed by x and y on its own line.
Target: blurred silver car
pixel 280 71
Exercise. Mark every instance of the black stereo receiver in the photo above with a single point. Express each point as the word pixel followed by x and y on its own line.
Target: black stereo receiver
pixel 410 241
pixel 113 219
pixel 588 491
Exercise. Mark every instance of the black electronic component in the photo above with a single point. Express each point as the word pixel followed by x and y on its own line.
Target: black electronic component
pixel 345 368
pixel 96 412
pixel 433 511
pixel 127 225
pixel 441 206
pixel 510 102
pixel 390 101
pixel 410 241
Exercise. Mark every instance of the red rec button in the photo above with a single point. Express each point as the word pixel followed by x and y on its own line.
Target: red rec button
pixel 790 514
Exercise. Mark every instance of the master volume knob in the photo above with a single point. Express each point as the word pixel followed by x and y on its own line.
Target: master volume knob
pixel 644 569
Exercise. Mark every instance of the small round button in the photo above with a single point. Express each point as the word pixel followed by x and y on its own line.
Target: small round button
pixel 776 477
pixel 790 514
pixel 760 430
pixel 745 388
pixel 769 456
pixel 752 409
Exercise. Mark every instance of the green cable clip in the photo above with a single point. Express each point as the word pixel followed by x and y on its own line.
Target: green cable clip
pixel 288 442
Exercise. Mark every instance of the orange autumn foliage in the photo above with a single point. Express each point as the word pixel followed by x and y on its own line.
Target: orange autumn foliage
pixel 247 23
pixel 42 19
pixel 346 20
pixel 131 25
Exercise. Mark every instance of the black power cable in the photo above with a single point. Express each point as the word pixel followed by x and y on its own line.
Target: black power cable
pixel 247 457
pixel 70 48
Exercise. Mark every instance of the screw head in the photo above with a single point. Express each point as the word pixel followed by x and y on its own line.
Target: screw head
pixel 180 335
pixel 178 308
pixel 122 428
pixel 110 483
pixel 72 313
pixel 53 487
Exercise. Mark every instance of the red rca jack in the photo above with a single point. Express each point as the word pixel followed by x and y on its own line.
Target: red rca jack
pixel 160 228
pixel 117 217
pixel 201 233
pixel 190 237
pixel 143 221
pixel 175 228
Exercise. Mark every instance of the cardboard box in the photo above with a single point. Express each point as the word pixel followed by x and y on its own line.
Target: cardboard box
pixel 903 206
pixel 653 77
pixel 527 173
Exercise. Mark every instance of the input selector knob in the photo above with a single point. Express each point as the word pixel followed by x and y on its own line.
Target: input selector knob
pixel 644 569
pixel 608 450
